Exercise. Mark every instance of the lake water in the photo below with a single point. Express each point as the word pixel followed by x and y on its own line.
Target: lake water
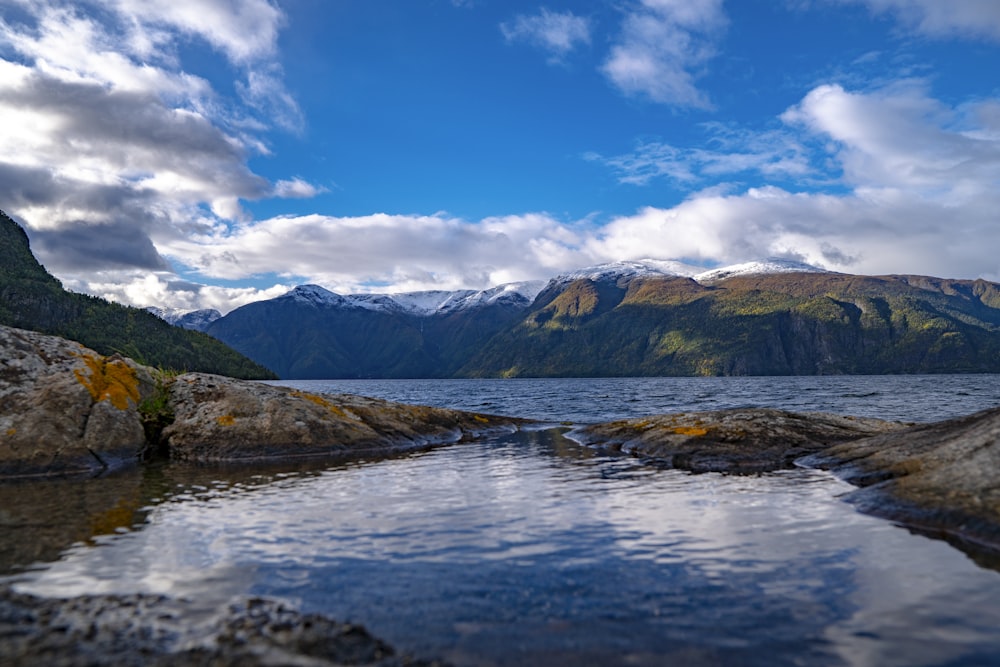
pixel 527 549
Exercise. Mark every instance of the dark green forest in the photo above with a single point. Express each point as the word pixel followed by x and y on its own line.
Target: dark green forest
pixel 31 298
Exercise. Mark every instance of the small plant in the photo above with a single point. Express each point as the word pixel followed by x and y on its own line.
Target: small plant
pixel 157 413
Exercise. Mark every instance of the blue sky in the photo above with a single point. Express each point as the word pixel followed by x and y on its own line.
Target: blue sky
pixel 207 153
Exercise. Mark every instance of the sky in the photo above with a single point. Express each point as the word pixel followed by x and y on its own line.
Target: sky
pixel 208 153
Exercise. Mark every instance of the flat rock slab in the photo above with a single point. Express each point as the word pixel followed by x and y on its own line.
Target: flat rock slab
pixel 220 419
pixel 742 441
pixel 942 478
pixel 64 408
pixel 149 630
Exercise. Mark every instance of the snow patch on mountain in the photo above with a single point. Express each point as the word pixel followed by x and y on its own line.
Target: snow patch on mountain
pixel 641 268
pixel 425 303
pixel 768 266
pixel 197 320
pixel 314 295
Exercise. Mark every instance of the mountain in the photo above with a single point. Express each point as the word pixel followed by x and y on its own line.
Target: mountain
pixel 311 332
pixel 751 323
pixel 644 318
pixel 31 298
pixel 196 320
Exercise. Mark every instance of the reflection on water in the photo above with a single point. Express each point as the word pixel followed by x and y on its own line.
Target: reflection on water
pixel 527 549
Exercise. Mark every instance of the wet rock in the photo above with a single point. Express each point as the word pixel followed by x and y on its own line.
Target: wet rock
pixel 743 441
pixel 941 478
pixel 218 419
pixel 140 630
pixel 64 408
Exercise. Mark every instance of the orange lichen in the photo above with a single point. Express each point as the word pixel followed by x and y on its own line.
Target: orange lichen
pixel 110 380
pixel 11 432
pixel 322 402
pixel 690 430
pixel 226 420
pixel 481 419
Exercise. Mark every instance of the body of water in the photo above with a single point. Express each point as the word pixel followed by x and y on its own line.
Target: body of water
pixel 528 549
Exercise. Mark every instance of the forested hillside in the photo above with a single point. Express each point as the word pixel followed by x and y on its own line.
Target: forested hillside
pixel 31 298
pixel 780 324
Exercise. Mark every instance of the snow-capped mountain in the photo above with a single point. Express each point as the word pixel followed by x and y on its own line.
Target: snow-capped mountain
pixel 640 268
pixel 519 294
pixel 761 267
pixel 198 320
pixel 653 268
pixel 426 303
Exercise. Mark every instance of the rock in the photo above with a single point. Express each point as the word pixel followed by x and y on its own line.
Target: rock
pixel 750 440
pixel 942 478
pixel 218 419
pixel 141 630
pixel 65 408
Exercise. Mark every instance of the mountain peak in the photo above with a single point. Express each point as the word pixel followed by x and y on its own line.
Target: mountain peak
pixel 314 295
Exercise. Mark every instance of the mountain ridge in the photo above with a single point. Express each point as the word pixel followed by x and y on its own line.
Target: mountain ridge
pixel 773 317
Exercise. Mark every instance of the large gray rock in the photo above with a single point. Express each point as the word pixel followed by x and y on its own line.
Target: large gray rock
pixel 65 408
pixel 942 478
pixel 150 630
pixel 218 419
pixel 750 440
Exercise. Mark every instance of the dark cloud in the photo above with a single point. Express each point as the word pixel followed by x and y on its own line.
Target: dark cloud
pixel 87 247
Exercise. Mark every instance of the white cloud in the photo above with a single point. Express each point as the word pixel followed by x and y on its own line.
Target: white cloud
pixel 944 18
pixel 101 127
pixel 347 254
pixel 772 153
pixel 901 139
pixel 244 30
pixel 296 188
pixel 556 32
pixel 923 183
pixel 663 45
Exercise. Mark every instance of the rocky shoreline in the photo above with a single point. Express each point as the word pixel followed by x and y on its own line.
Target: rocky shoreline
pixel 66 410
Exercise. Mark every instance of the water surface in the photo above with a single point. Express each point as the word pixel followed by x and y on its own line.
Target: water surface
pixel 527 549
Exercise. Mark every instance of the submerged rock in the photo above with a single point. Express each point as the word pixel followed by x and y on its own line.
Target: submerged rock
pixel 141 630
pixel 221 419
pixel 750 440
pixel 64 408
pixel 941 478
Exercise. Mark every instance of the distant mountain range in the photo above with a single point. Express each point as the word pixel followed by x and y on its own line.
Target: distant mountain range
pixel 640 318
pixel 31 298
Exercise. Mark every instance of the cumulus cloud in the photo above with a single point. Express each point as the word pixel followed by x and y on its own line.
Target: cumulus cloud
pixel 915 187
pixel 556 32
pixel 108 145
pixel 408 252
pixel 954 18
pixel 922 181
pixel 662 47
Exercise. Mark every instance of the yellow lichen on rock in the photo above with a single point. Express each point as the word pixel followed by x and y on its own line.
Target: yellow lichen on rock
pixel 481 419
pixel 690 430
pixel 322 402
pixel 110 380
pixel 226 420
